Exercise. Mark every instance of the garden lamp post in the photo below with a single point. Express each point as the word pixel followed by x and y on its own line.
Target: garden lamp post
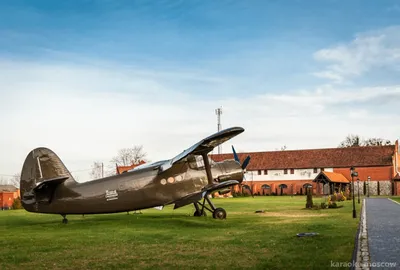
pixel 358 187
pixel 353 173
pixel 368 183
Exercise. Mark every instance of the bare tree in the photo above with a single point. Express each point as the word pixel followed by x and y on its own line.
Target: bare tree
pixel 129 156
pixel 97 170
pixel 283 148
pixel 351 141
pixel 15 180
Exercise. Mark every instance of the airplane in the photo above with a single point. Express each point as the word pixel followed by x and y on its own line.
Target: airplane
pixel 47 186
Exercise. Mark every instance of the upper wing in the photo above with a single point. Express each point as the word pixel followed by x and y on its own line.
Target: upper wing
pixel 206 145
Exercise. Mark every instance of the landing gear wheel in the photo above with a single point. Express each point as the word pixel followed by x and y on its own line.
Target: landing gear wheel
pixel 65 220
pixel 219 213
pixel 198 214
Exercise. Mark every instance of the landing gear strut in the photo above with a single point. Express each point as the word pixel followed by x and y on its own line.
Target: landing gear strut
pixel 65 220
pixel 218 213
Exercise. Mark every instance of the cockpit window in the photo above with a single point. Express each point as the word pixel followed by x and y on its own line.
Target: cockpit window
pixel 197 162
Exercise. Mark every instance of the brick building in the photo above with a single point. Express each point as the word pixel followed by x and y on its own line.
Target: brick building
pixel 291 171
pixel 8 194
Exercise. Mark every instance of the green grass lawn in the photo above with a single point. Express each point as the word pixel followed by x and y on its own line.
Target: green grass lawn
pixel 397 199
pixel 174 239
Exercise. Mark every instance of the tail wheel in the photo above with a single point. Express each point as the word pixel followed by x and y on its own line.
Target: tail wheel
pixel 219 213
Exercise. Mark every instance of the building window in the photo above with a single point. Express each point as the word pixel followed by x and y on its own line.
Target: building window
pixel 265 172
pixel 259 172
pixel 285 171
pixel 291 171
pixel 315 170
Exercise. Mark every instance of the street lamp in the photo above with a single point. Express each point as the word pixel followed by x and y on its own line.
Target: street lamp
pixel 369 179
pixel 358 186
pixel 353 173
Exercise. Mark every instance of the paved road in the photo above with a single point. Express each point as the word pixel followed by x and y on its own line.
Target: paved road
pixel 383 225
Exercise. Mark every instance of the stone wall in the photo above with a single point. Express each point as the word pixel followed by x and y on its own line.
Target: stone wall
pixel 385 188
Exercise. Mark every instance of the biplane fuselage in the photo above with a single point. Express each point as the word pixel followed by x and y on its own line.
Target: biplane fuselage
pixel 48 187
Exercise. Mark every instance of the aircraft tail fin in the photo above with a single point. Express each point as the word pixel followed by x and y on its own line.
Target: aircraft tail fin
pixel 41 173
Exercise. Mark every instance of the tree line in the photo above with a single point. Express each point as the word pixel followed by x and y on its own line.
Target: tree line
pixel 356 141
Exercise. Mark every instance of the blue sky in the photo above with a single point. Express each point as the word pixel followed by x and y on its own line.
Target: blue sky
pixel 269 41
pixel 272 65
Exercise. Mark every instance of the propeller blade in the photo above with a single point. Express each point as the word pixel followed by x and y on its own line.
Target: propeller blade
pixel 246 162
pixel 235 155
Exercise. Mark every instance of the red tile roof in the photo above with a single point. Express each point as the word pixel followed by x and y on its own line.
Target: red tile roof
pixel 365 156
pixel 121 169
pixel 8 188
pixel 336 177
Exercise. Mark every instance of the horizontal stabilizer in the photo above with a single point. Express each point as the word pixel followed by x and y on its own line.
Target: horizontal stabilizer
pixel 53 182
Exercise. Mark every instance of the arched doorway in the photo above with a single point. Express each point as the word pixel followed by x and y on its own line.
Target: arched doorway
pixel 281 187
pixel 307 186
pixel 266 189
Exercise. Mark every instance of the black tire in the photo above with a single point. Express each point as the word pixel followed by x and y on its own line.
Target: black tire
pixel 198 214
pixel 219 213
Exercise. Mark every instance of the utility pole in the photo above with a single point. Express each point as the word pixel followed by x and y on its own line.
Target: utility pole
pixel 218 112
pixel 102 170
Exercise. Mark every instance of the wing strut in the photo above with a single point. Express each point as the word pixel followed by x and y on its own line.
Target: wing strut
pixel 208 168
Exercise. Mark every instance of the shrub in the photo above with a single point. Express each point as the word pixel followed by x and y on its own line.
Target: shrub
pixel 17 203
pixel 323 206
pixel 333 205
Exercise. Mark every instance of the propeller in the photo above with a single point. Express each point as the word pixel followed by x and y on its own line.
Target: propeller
pixel 243 165
pixel 245 162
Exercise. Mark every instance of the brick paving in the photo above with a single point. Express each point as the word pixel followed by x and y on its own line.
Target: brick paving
pixel 383 227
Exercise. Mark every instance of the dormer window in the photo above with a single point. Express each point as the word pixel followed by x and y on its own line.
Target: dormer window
pixel 266 172
pixel 285 171
pixel 291 171
pixel 315 170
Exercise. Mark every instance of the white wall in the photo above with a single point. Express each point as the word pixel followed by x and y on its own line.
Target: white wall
pixel 278 175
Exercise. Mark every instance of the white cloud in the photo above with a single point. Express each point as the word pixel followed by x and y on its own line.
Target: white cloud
pixel 87 113
pixel 368 51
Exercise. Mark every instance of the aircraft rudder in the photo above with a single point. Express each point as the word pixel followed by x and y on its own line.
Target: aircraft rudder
pixel 40 164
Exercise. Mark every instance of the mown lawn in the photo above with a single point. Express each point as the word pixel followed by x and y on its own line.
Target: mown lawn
pixel 174 239
pixel 397 199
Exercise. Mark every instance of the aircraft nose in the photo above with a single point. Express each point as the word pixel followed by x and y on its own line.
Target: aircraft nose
pixel 232 171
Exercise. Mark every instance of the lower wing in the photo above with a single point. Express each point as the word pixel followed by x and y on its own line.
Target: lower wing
pixel 194 197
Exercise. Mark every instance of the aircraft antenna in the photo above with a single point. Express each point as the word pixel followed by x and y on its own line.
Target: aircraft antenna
pixel 218 112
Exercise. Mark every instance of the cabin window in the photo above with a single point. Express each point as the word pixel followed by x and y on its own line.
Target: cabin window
pixel 291 171
pixel 265 172
pixel 196 162
pixel 285 171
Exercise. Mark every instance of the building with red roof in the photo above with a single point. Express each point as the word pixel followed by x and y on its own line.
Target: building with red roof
pixel 8 193
pixel 122 169
pixel 291 171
